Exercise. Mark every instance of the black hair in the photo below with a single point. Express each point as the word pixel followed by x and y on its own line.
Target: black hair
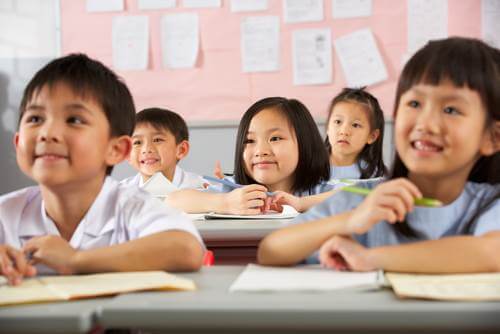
pixel 313 166
pixel 164 119
pixel 87 78
pixel 465 62
pixel 370 160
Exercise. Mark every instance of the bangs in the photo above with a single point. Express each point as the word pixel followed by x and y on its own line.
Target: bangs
pixel 465 65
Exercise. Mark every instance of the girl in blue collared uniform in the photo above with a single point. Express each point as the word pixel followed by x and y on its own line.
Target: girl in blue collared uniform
pixel 278 149
pixel 447 135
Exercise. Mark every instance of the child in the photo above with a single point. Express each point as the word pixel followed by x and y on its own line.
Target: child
pixel 76 117
pixel 447 136
pixel 278 149
pixel 159 142
pixel 355 133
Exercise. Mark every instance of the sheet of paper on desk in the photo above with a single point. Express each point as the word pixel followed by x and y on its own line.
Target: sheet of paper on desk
pixel 257 278
pixel 288 213
pixel 470 287
pixel 60 288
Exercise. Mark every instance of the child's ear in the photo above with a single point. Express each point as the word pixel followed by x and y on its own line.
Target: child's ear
pixel 15 140
pixel 118 150
pixel 373 136
pixel 490 143
pixel 182 150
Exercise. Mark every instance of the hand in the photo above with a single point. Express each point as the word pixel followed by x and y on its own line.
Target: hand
pixel 389 201
pixel 344 253
pixel 218 170
pixel 247 200
pixel 14 266
pixel 281 198
pixel 54 252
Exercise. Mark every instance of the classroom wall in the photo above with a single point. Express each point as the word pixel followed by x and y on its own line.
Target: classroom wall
pixel 202 94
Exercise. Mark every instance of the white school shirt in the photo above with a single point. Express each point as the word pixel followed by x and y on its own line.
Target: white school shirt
pixel 182 180
pixel 120 213
pixel 345 172
pixel 430 223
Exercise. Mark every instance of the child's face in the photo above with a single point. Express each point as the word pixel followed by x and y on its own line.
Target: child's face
pixel 440 130
pixel 271 153
pixel 64 139
pixel 155 150
pixel 349 131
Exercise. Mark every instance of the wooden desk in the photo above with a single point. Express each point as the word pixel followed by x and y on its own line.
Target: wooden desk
pixel 235 241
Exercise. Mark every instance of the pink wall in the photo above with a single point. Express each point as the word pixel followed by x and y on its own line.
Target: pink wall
pixel 217 89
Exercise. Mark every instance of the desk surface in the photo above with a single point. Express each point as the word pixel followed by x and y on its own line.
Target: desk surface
pixel 60 317
pixel 212 309
pixel 238 229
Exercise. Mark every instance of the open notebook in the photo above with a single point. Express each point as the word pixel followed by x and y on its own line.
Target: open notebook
pixel 257 278
pixel 288 213
pixel 469 287
pixel 60 288
pixel 159 186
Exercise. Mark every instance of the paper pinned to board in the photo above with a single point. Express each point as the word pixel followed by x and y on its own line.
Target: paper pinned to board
pixel 159 186
pixel 344 9
pixel 239 6
pixel 312 56
pixel 298 11
pixel 257 278
pixel 130 42
pixel 426 20
pixel 463 287
pixel 260 41
pixel 95 6
pixel 360 58
pixel 180 40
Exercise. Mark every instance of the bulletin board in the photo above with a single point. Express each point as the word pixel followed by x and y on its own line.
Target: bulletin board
pixel 217 90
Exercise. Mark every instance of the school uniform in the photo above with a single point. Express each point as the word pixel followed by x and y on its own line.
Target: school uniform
pixel 182 180
pixel 317 189
pixel 119 213
pixel 345 172
pixel 429 223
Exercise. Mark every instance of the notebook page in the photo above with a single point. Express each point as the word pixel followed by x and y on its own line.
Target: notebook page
pixel 31 290
pixel 113 283
pixel 288 213
pixel 257 278
pixel 472 287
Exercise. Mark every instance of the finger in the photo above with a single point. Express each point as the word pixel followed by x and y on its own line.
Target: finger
pixel 218 170
pixel 394 203
pixel 255 195
pixel 8 269
pixel 386 214
pixel 254 187
pixel 18 259
pixel 255 203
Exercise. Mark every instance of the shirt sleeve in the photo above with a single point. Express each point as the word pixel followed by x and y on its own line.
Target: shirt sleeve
pixel 489 220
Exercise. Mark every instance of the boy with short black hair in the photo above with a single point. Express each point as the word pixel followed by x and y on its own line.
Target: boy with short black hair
pixel 75 125
pixel 160 140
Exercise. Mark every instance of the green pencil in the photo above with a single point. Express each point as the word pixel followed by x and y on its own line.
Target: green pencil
pixel 430 202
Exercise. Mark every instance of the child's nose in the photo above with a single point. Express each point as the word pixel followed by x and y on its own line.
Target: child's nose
pixel 428 120
pixel 50 132
pixel 262 149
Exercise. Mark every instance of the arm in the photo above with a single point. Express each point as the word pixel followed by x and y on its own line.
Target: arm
pixel 247 200
pixel 458 254
pixel 301 204
pixel 291 245
pixel 181 252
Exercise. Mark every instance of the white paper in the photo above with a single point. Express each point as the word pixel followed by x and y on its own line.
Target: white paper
pixel 312 56
pixel 490 23
pixel 248 5
pixel 427 20
pixel 257 278
pixel 158 185
pixel 130 42
pixel 180 40
pixel 343 9
pixel 287 213
pixel 260 38
pixel 201 3
pixel 156 4
pixel 105 5
pixel 303 11
pixel 360 59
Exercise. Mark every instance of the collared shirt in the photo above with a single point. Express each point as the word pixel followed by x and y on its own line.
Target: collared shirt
pixel 430 223
pixel 119 214
pixel 182 180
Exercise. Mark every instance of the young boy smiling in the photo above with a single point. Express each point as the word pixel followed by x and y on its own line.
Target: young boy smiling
pixel 76 119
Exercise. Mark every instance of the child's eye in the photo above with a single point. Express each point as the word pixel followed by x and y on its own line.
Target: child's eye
pixel 75 120
pixel 136 143
pixel 249 141
pixel 158 140
pixel 275 138
pixel 337 121
pixel 33 119
pixel 357 125
pixel 451 111
pixel 413 104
